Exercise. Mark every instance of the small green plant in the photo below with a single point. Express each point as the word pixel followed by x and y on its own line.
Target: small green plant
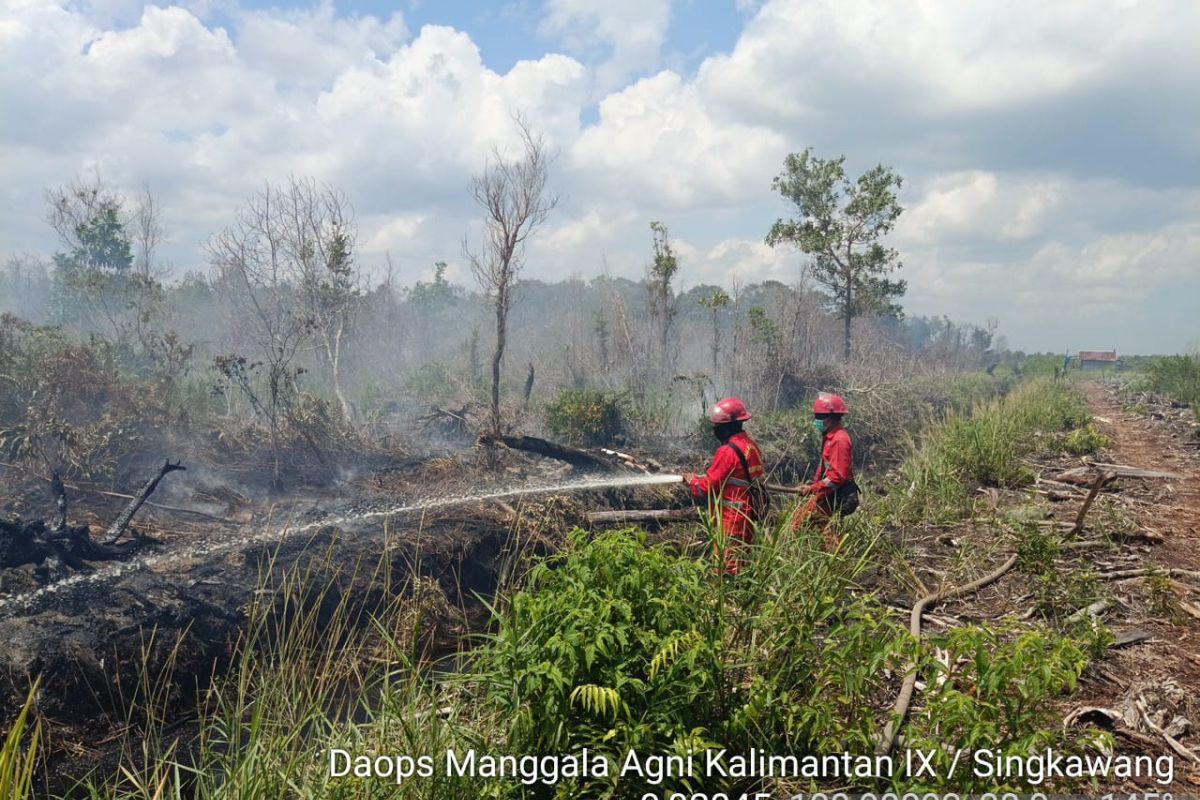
pixel 991 690
pixel 1057 594
pixel 1085 440
pixel 1160 596
pixel 1093 636
pixel 585 417
pixel 1036 549
pixel 616 645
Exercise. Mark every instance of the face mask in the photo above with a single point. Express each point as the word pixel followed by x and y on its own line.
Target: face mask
pixel 819 424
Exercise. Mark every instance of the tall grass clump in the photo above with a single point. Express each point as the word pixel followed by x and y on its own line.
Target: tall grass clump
pixel 317 668
pixel 18 752
pixel 882 417
pixel 985 447
pixel 1177 377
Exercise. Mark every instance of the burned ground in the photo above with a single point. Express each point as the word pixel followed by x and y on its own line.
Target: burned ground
pixel 175 611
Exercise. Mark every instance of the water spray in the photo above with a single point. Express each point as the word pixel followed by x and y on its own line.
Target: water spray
pixel 210 548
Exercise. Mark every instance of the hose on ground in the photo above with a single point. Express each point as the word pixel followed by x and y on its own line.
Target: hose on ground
pixel 900 709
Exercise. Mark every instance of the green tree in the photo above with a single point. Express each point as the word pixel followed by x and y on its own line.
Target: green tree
pixel 92 273
pixel 841 224
pixel 662 271
pixel 436 294
pixel 106 276
pixel 718 300
pixel 102 243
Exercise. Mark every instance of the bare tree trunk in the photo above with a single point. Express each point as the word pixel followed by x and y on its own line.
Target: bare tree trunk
pixel 275 482
pixel 847 316
pixel 126 516
pixel 528 386
pixel 716 345
pixel 511 193
pixel 497 358
pixel 335 365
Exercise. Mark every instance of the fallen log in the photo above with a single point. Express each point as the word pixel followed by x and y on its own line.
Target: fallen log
pixel 1126 574
pixel 126 516
pixel 640 515
pixel 1124 471
pixel 1168 738
pixel 1094 610
pixel 51 548
pixel 1079 476
pixel 775 487
pixel 1127 638
pixel 580 459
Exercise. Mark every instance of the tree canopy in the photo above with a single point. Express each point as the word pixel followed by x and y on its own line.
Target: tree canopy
pixel 841 224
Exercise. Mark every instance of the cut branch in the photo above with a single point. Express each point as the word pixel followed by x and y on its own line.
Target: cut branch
pixel 1124 471
pixel 1101 479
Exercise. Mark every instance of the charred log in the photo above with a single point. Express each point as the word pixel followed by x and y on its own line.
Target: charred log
pixel 528 387
pixel 60 501
pixel 52 548
pixel 34 543
pixel 642 515
pixel 580 459
pixel 126 516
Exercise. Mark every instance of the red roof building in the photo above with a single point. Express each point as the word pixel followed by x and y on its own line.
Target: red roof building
pixel 1093 360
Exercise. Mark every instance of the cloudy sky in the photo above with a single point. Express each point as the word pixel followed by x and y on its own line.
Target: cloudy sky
pixel 1050 150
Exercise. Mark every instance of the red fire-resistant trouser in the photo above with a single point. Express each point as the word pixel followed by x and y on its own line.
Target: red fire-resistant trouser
pixel 728 490
pixel 836 469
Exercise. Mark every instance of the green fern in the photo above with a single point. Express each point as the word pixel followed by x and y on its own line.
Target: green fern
pixel 603 701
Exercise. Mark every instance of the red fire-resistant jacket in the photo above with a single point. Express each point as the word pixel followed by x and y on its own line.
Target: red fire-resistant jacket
pixel 726 486
pixel 836 463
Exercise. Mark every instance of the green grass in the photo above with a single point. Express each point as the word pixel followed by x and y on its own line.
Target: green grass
pixel 1175 376
pixel 18 751
pixel 986 447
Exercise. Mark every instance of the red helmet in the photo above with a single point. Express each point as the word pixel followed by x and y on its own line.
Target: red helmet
pixel 728 410
pixel 827 403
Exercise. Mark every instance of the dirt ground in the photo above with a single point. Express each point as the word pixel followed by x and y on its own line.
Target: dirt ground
pixel 1165 669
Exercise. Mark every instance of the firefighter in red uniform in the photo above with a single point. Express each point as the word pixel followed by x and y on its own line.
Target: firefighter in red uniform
pixel 736 463
pixel 833 490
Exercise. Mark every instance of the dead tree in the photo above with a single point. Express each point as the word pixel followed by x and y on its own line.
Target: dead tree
pixel 512 194
pixel 125 517
pixel 285 268
pixel 53 547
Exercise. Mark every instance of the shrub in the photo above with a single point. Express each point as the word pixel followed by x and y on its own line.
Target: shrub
pixel 615 645
pixel 991 690
pixel 430 381
pixel 585 416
